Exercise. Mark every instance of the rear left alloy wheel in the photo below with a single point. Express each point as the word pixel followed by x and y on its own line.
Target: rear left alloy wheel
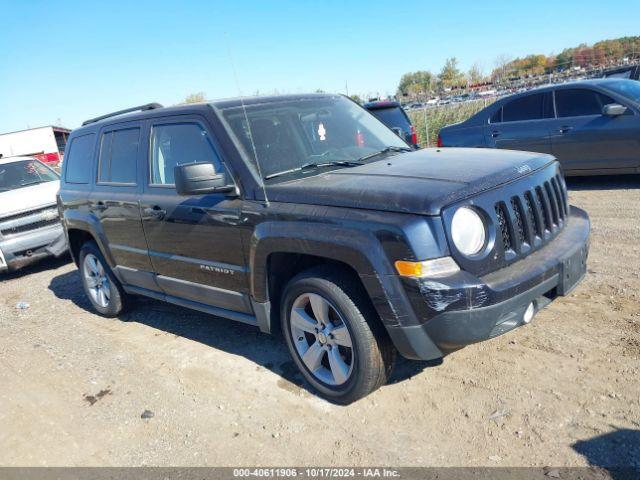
pixel 100 285
pixel 334 336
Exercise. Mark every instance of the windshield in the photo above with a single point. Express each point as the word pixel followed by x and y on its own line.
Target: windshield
pixel 320 131
pixel 626 88
pixel 24 173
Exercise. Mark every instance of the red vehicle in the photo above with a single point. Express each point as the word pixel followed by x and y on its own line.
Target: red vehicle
pixel 44 143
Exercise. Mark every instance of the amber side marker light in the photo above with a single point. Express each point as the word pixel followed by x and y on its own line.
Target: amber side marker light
pixel 438 267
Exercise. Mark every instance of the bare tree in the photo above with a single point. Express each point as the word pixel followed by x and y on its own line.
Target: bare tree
pixel 475 74
pixel 501 69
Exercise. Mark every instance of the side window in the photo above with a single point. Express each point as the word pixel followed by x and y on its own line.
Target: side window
pixel 176 144
pixel 79 159
pixel 578 102
pixel 118 156
pixel 530 107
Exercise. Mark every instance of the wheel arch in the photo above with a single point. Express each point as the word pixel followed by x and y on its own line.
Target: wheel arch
pixel 281 250
pixel 81 228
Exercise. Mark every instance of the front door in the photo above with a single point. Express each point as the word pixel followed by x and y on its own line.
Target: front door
pixel 583 139
pixel 194 242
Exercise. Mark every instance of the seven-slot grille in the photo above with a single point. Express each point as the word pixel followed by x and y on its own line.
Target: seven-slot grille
pixel 532 218
pixel 30 220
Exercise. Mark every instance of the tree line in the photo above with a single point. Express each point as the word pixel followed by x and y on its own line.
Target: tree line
pixel 603 53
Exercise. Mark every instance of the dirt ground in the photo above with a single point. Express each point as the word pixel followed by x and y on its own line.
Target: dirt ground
pixel 167 386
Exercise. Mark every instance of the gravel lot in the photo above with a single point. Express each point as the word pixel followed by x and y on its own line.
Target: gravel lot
pixel 167 386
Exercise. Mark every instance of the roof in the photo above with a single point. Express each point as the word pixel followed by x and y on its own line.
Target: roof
pixel 262 99
pixel 54 127
pixel 190 107
pixel 381 104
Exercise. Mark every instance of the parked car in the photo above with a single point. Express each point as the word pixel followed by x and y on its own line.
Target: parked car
pixel 631 72
pixel 270 212
pixel 394 117
pixel 29 224
pixel 47 144
pixel 592 127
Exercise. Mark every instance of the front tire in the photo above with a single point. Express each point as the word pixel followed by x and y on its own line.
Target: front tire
pixel 100 285
pixel 334 336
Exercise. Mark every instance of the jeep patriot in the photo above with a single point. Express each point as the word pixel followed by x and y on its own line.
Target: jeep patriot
pixel 306 215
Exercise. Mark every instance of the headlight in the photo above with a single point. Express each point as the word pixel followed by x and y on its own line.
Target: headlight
pixel 468 231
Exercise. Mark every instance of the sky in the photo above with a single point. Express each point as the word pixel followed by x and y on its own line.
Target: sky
pixel 62 62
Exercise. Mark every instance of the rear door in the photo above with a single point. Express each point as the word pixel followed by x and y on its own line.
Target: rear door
pixel 114 200
pixel 583 139
pixel 194 242
pixel 522 124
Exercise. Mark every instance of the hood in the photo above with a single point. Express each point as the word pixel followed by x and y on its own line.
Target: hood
pixel 421 182
pixel 28 198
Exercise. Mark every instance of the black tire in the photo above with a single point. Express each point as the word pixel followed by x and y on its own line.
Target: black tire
pixel 118 299
pixel 372 353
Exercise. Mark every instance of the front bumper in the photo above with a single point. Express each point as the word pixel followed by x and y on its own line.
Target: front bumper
pixel 463 309
pixel 17 251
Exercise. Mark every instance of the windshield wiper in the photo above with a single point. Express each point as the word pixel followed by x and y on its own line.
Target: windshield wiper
pixel 32 183
pixel 385 150
pixel 314 165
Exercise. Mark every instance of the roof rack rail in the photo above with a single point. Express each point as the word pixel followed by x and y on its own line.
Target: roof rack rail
pixel 141 108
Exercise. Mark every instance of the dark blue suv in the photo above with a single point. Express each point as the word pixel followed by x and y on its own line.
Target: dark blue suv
pixel 394 117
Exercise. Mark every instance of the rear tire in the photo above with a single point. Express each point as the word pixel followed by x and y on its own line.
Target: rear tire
pixel 334 335
pixel 100 285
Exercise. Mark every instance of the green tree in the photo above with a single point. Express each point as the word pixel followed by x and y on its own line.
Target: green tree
pixel 450 75
pixel 356 98
pixel 198 97
pixel 417 83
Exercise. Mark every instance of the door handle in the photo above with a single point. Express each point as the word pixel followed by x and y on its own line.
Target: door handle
pixel 495 134
pixel 100 206
pixel 155 212
pixel 565 129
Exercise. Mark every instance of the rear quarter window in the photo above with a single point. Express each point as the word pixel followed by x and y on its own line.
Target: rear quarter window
pixel 79 159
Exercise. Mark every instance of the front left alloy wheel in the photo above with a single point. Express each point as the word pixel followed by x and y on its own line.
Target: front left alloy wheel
pixel 334 335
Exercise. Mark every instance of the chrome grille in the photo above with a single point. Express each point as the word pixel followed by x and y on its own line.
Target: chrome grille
pixel 29 220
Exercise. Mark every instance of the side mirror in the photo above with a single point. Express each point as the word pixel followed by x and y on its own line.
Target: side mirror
pixel 200 179
pixel 613 110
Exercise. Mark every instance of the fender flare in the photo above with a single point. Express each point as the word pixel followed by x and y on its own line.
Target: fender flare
pixel 76 220
pixel 357 248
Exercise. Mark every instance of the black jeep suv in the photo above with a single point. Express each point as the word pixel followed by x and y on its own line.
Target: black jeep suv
pixel 306 213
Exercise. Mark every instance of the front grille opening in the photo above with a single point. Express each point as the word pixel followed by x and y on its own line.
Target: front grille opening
pixel 528 199
pixel 552 201
pixel 563 191
pixel 519 214
pixel 561 201
pixel 501 215
pixel 546 217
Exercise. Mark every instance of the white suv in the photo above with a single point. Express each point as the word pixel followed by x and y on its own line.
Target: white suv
pixel 29 223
